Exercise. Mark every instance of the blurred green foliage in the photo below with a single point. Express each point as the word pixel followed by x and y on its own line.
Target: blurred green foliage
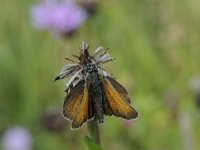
pixel 156 49
pixel 91 144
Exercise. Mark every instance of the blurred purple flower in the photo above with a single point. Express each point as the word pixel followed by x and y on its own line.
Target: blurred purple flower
pixel 61 17
pixel 17 138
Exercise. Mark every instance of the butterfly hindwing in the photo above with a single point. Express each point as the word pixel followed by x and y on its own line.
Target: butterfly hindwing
pixel 117 100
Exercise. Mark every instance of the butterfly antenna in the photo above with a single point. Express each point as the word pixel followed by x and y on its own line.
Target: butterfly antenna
pixel 71 60
pixel 75 56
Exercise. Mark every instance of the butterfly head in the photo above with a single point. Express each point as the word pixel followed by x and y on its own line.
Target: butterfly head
pixel 90 68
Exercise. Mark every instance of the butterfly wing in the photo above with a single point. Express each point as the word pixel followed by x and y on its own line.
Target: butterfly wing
pixel 83 110
pixel 120 89
pixel 76 104
pixel 117 99
pixel 73 100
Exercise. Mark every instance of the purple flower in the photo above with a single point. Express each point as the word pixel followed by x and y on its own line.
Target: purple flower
pixel 62 16
pixel 17 138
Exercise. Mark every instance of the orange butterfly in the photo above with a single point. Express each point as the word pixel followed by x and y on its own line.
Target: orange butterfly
pixel 94 96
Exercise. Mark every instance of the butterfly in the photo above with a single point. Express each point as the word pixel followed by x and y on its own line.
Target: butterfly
pixel 96 96
pixel 92 93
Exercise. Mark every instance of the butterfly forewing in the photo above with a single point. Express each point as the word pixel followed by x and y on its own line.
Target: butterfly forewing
pixel 83 110
pixel 119 88
pixel 117 101
pixel 73 100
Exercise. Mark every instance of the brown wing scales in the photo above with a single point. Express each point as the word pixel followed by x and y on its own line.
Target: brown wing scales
pixel 73 100
pixel 83 110
pixel 117 102
pixel 76 104
pixel 120 89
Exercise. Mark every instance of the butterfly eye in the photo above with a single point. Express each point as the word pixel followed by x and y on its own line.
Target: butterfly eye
pixel 91 68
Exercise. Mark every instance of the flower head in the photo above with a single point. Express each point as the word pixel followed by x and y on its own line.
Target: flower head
pixel 62 16
pixel 75 71
pixel 17 138
pixel 53 121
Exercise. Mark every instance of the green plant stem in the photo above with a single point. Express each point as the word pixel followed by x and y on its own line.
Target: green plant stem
pixel 94 131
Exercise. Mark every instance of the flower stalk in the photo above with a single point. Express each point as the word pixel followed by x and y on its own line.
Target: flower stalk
pixel 93 129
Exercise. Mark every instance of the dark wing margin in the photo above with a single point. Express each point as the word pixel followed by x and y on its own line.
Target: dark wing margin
pixel 117 101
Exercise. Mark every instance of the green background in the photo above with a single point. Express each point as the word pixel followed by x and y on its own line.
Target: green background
pixel 156 49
